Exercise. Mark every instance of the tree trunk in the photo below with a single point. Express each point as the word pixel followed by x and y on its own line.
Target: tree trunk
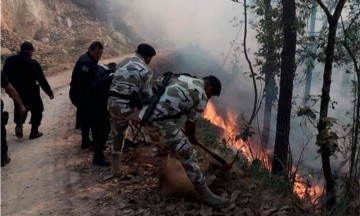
pixel 324 105
pixel 269 71
pixel 310 59
pixel 270 96
pixel 281 149
pixel 353 166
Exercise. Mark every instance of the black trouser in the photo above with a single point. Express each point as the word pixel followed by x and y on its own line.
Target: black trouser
pixel 100 128
pixel 35 105
pixel 83 114
pixel 4 146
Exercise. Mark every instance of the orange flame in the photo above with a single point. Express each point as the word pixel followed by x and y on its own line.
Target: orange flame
pixel 230 129
pixel 304 189
pixel 228 126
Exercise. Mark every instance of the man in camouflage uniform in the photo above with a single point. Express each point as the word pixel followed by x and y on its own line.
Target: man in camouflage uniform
pixel 185 95
pixel 131 84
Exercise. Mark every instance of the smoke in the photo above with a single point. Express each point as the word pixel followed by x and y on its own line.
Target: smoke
pixel 164 22
pixel 202 33
pixel 199 38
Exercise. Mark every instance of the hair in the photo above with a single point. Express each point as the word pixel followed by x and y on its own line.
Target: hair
pixel 215 83
pixel 145 50
pixel 96 45
pixel 26 46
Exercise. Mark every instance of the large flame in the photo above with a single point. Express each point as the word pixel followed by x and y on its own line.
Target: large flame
pixel 304 188
pixel 229 126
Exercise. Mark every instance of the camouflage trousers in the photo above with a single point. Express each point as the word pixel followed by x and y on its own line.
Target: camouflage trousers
pixel 171 135
pixel 122 128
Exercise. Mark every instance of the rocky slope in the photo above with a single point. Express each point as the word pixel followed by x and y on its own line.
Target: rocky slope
pixel 59 30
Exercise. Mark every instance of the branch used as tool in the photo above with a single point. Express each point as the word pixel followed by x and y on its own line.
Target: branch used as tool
pixel 225 164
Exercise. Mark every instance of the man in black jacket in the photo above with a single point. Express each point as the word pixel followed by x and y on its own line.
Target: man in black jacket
pixel 100 117
pixel 26 74
pixel 83 76
pixel 85 93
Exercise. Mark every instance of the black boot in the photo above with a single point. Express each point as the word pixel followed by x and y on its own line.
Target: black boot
pixel 99 160
pixel 34 132
pixel 5 160
pixel 19 131
pixel 85 143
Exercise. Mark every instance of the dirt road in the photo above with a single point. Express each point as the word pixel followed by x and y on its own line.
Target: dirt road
pixel 46 175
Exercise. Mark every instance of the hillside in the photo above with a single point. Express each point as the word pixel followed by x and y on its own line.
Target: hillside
pixel 60 31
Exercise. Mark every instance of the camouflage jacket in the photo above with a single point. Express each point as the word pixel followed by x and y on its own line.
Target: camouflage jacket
pixel 132 75
pixel 183 94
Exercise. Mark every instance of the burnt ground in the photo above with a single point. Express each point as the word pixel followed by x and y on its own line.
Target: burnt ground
pixel 53 176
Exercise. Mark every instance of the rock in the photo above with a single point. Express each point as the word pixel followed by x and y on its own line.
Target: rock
pixel 68 22
pixel 119 37
pixel 249 212
pixel 45 40
pixel 5 52
pixel 40 33
pixel 229 208
pixel 269 212
pixel 247 195
pixel 206 211
pixel 235 195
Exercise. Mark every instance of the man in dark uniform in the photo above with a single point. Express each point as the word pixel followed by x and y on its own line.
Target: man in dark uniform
pixel 82 80
pixel 26 74
pixel 83 76
pixel 100 117
pixel 9 89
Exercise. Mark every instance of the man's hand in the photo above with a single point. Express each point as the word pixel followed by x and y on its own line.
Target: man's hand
pixel 22 110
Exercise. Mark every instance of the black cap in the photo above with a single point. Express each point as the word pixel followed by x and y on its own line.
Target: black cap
pixel 215 83
pixel 26 46
pixel 145 50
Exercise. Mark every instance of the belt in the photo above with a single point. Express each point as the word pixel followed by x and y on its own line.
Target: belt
pixel 119 95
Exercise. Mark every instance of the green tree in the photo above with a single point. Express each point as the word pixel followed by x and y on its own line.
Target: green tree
pixel 350 40
pixel 269 38
pixel 324 137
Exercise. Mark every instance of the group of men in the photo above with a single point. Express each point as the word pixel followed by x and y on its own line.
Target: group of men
pixel 112 98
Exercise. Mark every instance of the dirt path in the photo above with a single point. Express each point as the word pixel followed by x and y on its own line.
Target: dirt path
pixel 46 175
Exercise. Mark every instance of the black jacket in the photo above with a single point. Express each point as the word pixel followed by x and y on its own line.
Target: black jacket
pixel 82 77
pixel 24 73
pixel 99 90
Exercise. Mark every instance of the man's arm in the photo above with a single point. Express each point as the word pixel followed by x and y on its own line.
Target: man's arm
pixel 10 90
pixel 193 116
pixel 40 77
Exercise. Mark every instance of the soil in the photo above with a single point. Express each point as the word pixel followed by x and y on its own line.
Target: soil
pixel 51 175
